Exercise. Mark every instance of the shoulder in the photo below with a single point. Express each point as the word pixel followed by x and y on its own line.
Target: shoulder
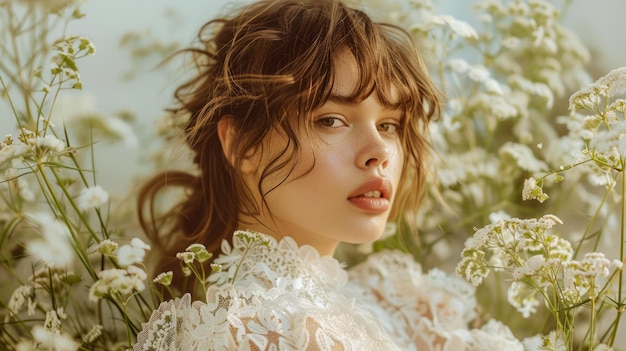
pixel 425 308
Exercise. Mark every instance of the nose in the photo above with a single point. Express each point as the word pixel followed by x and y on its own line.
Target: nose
pixel 374 151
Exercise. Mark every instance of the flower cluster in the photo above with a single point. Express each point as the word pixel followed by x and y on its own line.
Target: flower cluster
pixel 66 283
pixel 542 269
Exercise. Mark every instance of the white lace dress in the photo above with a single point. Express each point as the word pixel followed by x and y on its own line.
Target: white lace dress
pixel 277 296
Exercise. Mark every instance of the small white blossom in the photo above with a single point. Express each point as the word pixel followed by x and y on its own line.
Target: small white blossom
pixel 511 42
pixel 91 197
pixel 50 142
pixel 164 278
pixel 130 254
pixel 492 86
pixel 478 73
pixel 186 257
pixel 533 191
pixel 461 28
pixel 458 65
pixel 114 282
pixel 497 216
pixel 19 298
pixel 56 341
pixel 53 321
pixel 107 247
pixel 54 247
pixel 523 298
pixel 523 156
pixel 94 333
pixel 138 243
pixel 530 267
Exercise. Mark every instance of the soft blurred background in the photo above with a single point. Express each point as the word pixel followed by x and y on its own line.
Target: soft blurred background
pixel 156 24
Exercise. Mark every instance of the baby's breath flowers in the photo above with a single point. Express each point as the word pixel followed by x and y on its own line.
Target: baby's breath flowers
pixel 546 269
pixel 66 284
pixel 542 269
pixel 133 253
pixel 533 190
pixel 118 284
pixel 92 197
pixel 54 246
pixel 188 258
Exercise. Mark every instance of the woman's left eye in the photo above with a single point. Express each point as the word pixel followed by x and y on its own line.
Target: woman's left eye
pixel 389 127
pixel 330 122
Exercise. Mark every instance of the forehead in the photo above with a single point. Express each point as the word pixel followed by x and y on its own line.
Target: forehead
pixel 348 78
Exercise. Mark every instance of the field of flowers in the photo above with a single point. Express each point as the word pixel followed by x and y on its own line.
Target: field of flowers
pixel 527 200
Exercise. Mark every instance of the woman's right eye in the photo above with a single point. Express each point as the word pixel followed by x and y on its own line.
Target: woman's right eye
pixel 329 122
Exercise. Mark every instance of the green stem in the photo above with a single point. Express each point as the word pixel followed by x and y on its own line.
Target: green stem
pixel 620 284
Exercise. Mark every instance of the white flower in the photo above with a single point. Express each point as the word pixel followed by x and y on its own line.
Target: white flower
pixel 510 42
pixel 523 156
pixel 478 73
pixel 494 335
pixel 497 216
pixel 19 298
pixel 138 243
pixel 461 28
pixel 107 247
pixel 458 65
pixel 616 81
pixel 492 86
pixel 530 267
pixel 523 298
pixel 93 334
pixel 56 341
pixel 533 88
pixel 91 197
pixel 114 282
pixel 133 253
pixel 186 257
pixel 164 278
pixel 50 142
pixel 11 149
pixel 54 248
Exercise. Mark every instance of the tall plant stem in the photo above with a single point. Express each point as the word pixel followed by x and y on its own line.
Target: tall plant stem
pixel 620 302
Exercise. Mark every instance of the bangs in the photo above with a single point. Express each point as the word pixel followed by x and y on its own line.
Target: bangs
pixel 387 64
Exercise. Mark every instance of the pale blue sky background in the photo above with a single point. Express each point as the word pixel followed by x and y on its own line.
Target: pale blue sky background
pixel 598 22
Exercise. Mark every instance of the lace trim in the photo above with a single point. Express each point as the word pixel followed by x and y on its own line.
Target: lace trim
pixel 274 295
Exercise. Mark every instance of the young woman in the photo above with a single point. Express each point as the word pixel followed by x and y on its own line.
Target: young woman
pixel 308 122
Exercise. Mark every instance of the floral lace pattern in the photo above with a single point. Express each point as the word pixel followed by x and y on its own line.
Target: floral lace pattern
pixel 274 295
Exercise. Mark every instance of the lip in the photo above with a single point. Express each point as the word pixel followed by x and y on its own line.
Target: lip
pixel 371 204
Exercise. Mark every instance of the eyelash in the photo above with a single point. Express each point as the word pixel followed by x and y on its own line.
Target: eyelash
pixel 320 121
pixel 381 127
pixel 396 127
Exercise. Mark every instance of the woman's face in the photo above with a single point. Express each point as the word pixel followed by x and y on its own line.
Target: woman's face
pixel 346 175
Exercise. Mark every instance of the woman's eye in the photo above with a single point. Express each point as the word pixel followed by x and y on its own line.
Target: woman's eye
pixel 330 122
pixel 389 127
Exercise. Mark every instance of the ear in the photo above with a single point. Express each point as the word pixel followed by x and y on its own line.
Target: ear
pixel 227 132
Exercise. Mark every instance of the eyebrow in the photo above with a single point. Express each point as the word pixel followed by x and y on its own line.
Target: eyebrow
pixel 346 100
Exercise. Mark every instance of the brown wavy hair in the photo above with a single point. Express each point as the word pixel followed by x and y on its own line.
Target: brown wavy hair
pixel 269 59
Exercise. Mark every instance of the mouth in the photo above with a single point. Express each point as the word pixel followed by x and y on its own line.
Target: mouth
pixel 373 196
pixel 374 193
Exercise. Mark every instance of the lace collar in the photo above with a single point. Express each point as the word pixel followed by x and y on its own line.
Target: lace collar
pixel 259 260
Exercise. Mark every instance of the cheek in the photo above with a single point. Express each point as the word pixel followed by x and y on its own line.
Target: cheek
pixel 396 161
